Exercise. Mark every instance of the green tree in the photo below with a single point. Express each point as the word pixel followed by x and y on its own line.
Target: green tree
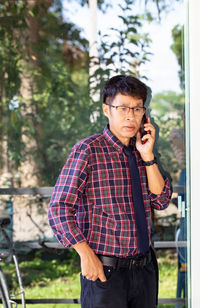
pixel 168 113
pixel 44 90
pixel 178 49
pixel 38 59
pixel 120 52
pixel 161 5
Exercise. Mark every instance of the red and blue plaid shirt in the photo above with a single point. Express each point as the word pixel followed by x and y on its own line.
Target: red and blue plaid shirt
pixel 92 199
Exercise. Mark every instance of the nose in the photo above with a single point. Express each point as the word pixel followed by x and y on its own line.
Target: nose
pixel 130 115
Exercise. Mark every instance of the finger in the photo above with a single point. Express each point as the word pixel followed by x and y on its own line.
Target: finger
pixel 150 129
pixel 103 279
pixel 94 278
pixel 102 276
pixel 148 120
pixel 147 137
pixel 138 136
pixel 86 275
pixel 149 126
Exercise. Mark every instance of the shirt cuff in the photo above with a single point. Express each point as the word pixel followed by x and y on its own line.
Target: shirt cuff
pixel 72 240
pixel 166 191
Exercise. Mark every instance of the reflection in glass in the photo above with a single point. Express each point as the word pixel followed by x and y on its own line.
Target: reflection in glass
pixel 46 106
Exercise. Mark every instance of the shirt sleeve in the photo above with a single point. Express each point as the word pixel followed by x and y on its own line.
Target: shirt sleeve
pixel 161 201
pixel 66 197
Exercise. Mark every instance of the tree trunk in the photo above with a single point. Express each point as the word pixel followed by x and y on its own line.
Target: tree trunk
pixel 29 39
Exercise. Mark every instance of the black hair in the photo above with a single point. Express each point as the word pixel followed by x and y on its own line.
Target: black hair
pixel 126 85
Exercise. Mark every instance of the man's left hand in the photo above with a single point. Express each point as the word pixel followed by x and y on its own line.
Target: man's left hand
pixel 146 149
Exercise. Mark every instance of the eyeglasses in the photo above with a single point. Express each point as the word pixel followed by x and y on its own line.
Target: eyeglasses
pixel 138 111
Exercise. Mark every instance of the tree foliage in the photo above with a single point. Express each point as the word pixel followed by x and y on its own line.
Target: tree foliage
pixel 178 49
pixel 57 61
pixel 168 112
pixel 60 99
pixel 160 5
pixel 121 51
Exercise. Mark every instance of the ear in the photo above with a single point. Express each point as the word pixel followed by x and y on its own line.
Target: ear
pixel 105 110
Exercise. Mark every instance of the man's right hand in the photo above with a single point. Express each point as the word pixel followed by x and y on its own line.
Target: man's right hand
pixel 91 266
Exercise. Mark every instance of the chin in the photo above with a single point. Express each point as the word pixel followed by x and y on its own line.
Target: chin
pixel 131 134
pixel 126 136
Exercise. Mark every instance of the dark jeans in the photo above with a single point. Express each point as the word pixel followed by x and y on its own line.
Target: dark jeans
pixel 124 288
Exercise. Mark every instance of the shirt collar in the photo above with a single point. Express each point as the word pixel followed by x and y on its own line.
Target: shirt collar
pixel 115 141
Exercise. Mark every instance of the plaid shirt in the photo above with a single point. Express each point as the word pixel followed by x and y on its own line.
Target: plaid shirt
pixel 92 199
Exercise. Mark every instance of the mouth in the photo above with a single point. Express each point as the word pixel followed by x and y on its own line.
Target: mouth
pixel 129 128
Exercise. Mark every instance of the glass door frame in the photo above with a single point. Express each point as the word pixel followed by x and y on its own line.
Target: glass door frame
pixel 192 45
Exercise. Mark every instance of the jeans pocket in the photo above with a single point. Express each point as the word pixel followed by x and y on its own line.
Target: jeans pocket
pixel 108 271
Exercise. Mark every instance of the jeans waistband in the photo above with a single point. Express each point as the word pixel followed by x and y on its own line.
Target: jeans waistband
pixel 130 262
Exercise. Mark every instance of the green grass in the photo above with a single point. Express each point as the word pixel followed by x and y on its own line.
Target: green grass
pixel 55 278
pixel 167 274
pixel 167 261
pixel 60 278
pixel 59 288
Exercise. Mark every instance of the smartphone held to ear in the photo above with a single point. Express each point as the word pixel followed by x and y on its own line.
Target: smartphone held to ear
pixel 141 130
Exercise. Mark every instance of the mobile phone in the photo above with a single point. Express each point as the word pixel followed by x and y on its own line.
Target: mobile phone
pixel 141 130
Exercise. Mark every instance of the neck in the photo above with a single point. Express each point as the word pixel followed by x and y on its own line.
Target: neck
pixel 124 140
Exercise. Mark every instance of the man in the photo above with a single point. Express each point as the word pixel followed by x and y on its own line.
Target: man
pixel 101 204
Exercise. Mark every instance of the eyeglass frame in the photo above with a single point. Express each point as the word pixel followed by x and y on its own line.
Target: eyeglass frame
pixel 130 108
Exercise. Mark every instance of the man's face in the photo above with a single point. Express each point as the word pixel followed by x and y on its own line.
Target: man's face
pixel 123 126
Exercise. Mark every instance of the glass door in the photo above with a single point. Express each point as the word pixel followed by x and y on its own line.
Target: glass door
pixel 170 110
pixel 193 150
